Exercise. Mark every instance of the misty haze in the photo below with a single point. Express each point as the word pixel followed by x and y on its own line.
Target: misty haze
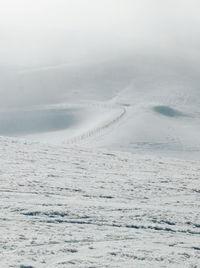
pixel 99 133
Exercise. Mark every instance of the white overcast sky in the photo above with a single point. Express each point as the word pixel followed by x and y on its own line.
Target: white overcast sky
pixel 33 31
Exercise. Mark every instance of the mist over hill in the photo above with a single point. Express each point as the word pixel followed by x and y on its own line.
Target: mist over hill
pixel 99 133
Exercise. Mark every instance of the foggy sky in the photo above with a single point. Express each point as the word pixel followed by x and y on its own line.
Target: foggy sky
pixel 42 31
pixel 101 46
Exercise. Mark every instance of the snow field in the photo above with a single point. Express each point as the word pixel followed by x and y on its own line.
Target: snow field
pixel 70 207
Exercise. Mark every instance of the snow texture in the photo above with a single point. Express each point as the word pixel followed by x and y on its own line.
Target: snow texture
pixel 80 207
pixel 99 134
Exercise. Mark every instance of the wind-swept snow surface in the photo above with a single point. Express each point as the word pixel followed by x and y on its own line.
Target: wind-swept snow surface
pixel 99 134
pixel 67 207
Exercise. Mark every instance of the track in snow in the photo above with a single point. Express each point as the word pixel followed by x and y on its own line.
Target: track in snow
pixel 102 127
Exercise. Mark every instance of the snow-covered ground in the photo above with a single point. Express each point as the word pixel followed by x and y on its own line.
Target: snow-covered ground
pixel 131 107
pixel 111 180
pixel 99 134
pixel 76 207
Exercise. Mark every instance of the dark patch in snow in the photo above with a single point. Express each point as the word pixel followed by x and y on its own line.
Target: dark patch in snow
pixel 197 225
pixel 156 228
pixel 25 266
pixel 32 213
pixel 164 222
pixel 196 248
pixel 72 250
pixel 106 196
pixel 109 154
pixel 113 253
pixel 167 111
pixel 50 214
pixel 65 221
pixel 196 191
pixel 36 121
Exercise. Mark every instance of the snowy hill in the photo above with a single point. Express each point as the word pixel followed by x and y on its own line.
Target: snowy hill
pixel 99 134
pixel 161 106
pixel 101 179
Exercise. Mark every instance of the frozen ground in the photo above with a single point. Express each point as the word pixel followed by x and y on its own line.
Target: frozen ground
pixel 78 207
pixel 92 182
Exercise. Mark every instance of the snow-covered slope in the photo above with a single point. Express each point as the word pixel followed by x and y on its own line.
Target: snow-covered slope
pixel 70 196
pixel 78 207
pixel 161 105
pixel 99 134
pixel 158 122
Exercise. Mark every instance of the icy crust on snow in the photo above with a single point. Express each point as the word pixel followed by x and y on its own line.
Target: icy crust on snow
pixel 64 207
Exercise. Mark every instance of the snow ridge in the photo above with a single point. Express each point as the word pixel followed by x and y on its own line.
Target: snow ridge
pixel 121 112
